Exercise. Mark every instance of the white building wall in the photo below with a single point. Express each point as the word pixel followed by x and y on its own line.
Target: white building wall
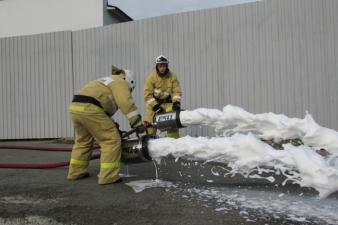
pixel 24 17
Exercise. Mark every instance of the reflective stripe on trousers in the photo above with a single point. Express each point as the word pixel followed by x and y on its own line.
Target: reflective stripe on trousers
pixel 79 162
pixel 113 165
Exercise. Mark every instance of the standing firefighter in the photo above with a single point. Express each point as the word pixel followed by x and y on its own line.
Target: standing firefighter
pixel 162 93
pixel 91 112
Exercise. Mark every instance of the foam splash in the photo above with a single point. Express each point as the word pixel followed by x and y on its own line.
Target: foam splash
pixel 141 185
pixel 268 126
pixel 19 199
pixel 245 153
pixel 298 208
pixel 29 220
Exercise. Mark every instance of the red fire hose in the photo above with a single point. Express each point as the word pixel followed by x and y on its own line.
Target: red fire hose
pixel 46 149
pixel 40 166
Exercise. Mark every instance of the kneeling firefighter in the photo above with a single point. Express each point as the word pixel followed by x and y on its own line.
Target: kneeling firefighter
pixel 162 93
pixel 91 112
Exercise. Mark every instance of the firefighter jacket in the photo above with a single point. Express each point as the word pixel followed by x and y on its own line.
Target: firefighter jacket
pixel 158 90
pixel 113 93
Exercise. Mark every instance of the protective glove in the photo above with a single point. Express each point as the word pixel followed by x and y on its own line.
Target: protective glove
pixel 138 125
pixel 177 106
pixel 140 129
pixel 158 109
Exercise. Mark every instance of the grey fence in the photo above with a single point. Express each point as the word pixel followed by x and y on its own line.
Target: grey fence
pixel 36 84
pixel 268 56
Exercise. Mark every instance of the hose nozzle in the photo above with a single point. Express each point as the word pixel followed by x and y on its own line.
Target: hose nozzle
pixel 135 150
pixel 168 121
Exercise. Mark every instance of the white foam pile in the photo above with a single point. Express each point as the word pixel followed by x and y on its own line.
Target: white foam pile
pixel 243 151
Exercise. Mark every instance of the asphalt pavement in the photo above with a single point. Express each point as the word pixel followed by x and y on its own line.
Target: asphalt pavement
pixel 44 196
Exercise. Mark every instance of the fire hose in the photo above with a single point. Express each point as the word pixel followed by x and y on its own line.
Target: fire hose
pixel 134 150
pixel 39 166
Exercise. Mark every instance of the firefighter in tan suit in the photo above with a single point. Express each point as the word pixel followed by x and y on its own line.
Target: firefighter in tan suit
pixel 162 93
pixel 91 112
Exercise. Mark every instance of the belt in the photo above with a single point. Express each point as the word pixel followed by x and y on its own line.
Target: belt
pixel 88 99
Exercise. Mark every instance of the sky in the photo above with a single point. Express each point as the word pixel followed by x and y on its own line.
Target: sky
pixel 137 9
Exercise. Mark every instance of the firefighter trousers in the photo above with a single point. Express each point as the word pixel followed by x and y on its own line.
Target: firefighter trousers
pixel 98 126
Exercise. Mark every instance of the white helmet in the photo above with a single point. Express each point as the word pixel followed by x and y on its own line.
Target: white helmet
pixel 161 59
pixel 130 79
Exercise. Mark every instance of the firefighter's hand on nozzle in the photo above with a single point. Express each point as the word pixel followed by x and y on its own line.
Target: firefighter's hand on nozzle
pixel 177 106
pixel 140 129
pixel 138 126
pixel 158 109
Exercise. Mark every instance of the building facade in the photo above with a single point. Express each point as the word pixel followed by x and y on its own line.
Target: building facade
pixel 26 17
